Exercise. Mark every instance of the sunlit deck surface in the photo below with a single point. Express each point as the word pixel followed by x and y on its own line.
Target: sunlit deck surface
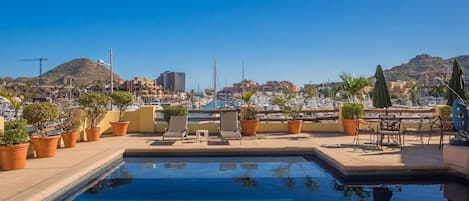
pixel 43 177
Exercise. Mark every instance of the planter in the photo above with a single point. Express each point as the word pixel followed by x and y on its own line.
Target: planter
pixel 70 139
pixel 294 126
pixel 93 134
pixel 249 127
pixel 119 128
pixel 13 157
pixel 349 127
pixel 45 146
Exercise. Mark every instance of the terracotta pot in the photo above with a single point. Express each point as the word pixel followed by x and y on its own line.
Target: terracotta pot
pixel 93 134
pixel 45 146
pixel 294 126
pixel 119 128
pixel 349 127
pixel 249 127
pixel 70 139
pixel 13 157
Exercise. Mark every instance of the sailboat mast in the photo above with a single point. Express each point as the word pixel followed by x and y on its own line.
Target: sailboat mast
pixel 242 75
pixel 214 82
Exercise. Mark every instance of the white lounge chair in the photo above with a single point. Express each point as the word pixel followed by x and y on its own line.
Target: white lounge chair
pixel 177 128
pixel 229 128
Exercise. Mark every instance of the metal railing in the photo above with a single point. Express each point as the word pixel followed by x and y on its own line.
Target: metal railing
pixel 331 114
pixel 263 115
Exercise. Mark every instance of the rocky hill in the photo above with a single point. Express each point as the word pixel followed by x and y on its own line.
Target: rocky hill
pixel 83 71
pixel 422 63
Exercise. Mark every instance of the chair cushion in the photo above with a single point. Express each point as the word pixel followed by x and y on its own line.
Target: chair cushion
pixel 230 134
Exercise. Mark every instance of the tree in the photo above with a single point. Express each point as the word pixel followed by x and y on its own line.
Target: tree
pixel 94 104
pixel 190 95
pixel 439 90
pixel 246 97
pixel 414 95
pixel 122 99
pixel 353 85
pixel 40 115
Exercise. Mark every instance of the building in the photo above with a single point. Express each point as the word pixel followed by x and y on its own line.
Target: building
pixel 268 87
pixel 428 79
pixel 276 86
pixel 141 87
pixel 400 88
pixel 172 81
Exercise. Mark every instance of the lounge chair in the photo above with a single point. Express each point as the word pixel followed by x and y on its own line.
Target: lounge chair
pixel 177 128
pixel 229 128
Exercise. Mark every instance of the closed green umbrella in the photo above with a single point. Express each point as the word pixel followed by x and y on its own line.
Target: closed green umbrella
pixel 381 98
pixel 456 83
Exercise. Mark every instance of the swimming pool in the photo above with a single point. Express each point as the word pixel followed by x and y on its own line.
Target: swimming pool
pixel 263 178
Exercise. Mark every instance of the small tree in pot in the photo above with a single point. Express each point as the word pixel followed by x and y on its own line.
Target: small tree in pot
pixel 72 119
pixel 122 99
pixel 14 143
pixel 352 87
pixel 41 115
pixel 94 105
pixel 292 104
pixel 174 111
pixel 249 122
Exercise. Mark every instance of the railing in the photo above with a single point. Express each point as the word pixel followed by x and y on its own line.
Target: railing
pixel 400 112
pixel 331 114
pixel 261 118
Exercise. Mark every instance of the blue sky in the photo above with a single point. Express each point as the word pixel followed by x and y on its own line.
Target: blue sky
pixel 297 40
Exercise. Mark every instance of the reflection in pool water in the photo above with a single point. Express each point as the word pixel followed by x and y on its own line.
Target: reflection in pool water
pixel 250 178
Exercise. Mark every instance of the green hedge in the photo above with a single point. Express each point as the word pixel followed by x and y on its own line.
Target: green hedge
pixel 351 109
pixel 15 133
pixel 174 111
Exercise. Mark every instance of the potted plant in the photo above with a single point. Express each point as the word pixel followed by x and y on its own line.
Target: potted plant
pixel 292 104
pixel 352 87
pixel 14 143
pixel 122 99
pixel 249 122
pixel 40 115
pixel 174 111
pixel 94 105
pixel 351 112
pixel 72 119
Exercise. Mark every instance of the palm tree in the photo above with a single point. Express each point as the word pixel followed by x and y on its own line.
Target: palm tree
pixel 353 85
pixel 246 97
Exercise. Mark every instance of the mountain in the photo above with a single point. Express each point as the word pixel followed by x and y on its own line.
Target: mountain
pixel 82 70
pixel 423 63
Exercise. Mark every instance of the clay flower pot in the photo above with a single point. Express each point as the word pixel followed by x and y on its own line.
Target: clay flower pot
pixel 249 127
pixel 349 126
pixel 119 128
pixel 93 134
pixel 45 146
pixel 70 139
pixel 13 157
pixel 294 126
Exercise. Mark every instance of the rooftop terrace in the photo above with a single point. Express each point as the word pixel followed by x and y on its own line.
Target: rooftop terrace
pixel 43 178
pixel 50 177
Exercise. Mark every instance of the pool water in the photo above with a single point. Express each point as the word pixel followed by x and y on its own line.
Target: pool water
pixel 249 178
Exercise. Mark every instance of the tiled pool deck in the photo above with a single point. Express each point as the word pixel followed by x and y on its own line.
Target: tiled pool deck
pixel 44 177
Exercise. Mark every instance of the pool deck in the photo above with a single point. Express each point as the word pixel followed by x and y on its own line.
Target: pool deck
pixel 49 177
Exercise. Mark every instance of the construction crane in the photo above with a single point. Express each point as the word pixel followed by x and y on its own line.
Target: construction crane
pixel 40 68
